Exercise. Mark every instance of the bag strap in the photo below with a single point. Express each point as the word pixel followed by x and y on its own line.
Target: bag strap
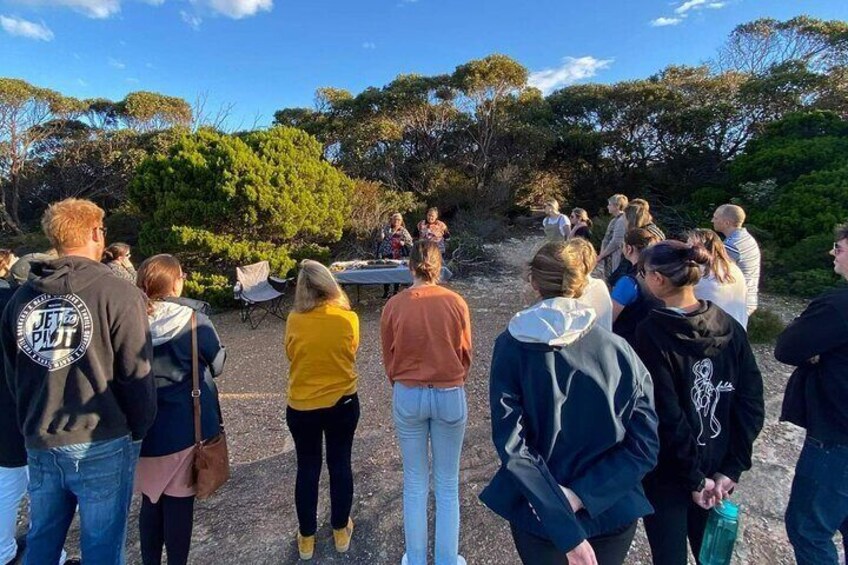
pixel 195 381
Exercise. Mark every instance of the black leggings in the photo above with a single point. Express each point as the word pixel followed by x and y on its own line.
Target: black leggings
pixel 610 549
pixel 676 517
pixel 309 428
pixel 167 523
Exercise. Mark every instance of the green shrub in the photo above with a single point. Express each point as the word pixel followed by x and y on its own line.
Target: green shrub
pixel 214 289
pixel 764 326
pixel 805 284
pixel 29 242
pixel 218 201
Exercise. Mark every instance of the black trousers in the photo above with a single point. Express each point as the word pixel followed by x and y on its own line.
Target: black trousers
pixel 610 549
pixel 675 519
pixel 167 523
pixel 310 428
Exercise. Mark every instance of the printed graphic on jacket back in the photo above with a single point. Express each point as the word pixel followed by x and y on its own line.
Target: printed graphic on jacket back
pixel 705 397
pixel 54 330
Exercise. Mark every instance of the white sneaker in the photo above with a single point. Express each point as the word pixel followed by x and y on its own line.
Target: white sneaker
pixel 404 561
pixel 460 560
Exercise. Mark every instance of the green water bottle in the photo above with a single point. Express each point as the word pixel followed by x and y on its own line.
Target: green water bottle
pixel 720 535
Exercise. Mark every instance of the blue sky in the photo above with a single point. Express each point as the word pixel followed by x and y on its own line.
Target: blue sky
pixel 263 55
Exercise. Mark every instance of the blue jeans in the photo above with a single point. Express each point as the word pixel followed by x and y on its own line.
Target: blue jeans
pixel 434 418
pixel 97 477
pixel 818 504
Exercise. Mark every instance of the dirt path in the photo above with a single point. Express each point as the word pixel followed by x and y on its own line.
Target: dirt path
pixel 253 520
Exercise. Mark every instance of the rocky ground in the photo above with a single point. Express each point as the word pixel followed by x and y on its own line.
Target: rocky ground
pixel 253 519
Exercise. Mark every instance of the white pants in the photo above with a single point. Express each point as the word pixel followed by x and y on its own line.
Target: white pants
pixel 13 485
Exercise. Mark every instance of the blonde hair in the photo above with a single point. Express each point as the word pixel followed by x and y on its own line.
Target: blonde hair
pixel 619 200
pixel 553 204
pixel 559 269
pixel 68 223
pixel 316 286
pixel 732 213
pixel 425 261
pixel 637 214
pixel 5 261
pixel 586 251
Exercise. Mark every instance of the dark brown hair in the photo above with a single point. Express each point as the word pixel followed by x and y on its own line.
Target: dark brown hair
pixel 679 262
pixel 115 251
pixel 640 238
pixel 841 232
pixel 425 260
pixel 156 277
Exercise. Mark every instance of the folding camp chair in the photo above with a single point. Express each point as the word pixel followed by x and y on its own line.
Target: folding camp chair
pixel 259 293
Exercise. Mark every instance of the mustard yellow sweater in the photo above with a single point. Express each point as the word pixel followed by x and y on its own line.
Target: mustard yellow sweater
pixel 321 346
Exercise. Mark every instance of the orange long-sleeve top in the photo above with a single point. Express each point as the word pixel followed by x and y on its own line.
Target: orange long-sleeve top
pixel 426 335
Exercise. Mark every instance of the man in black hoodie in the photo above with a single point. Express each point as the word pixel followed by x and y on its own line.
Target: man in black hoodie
pixel 77 353
pixel 817 399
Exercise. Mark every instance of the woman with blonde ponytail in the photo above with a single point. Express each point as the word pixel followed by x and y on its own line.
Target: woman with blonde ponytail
pixel 573 423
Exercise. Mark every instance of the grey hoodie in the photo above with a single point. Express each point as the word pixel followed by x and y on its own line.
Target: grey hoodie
pixel 77 349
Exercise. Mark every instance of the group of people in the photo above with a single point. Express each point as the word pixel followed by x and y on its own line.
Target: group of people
pixel 96 396
pixel 395 242
pixel 595 427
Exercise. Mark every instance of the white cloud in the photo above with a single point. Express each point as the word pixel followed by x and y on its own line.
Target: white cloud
pixel 116 64
pixel 663 22
pixel 82 83
pixel 238 9
pixel 132 80
pixel 717 5
pixel 572 70
pixel 98 9
pixel 193 21
pixel 24 28
pixel 689 5
pixel 369 45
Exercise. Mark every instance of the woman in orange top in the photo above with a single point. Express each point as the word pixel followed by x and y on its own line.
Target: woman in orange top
pixel 426 335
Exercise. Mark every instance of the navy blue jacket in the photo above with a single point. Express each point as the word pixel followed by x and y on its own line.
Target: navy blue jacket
pixel 578 415
pixel 173 429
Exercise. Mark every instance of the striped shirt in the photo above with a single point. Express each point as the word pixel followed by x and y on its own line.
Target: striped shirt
pixel 743 249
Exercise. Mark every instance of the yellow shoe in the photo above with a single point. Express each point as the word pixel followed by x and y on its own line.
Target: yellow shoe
pixel 305 546
pixel 342 536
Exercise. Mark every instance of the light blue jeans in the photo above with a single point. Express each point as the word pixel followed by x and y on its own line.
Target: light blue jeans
pixel 430 419
pixel 13 486
pixel 96 476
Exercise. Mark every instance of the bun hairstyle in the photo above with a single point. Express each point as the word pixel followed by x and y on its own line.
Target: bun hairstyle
pixel 679 262
pixel 157 276
pixel 582 215
pixel 115 252
pixel 719 266
pixel 560 269
pixel 425 261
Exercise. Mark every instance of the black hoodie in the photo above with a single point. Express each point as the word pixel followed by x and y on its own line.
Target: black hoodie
pixel 708 393
pixel 77 353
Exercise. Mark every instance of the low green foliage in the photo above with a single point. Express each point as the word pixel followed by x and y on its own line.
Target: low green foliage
pixel 211 288
pixel 764 326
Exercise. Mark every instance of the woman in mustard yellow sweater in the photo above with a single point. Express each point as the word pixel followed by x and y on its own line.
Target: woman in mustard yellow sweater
pixel 322 336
